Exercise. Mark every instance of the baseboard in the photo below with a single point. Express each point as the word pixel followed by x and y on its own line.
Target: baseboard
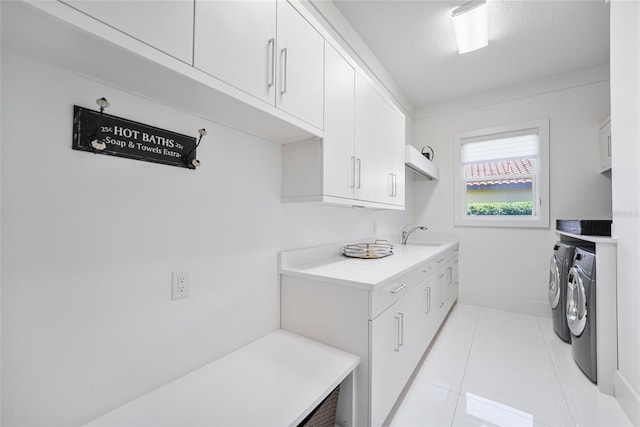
pixel 628 398
pixel 506 303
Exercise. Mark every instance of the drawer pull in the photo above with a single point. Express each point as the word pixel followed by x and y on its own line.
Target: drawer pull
pixel 428 269
pixel 440 276
pixel 399 288
pixel 440 260
pixel 441 304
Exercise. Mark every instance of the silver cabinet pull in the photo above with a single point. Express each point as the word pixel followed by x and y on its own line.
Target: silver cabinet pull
pixel 283 57
pixel 440 260
pixel 441 304
pixel 428 301
pixel 440 276
pixel 399 288
pixel 401 341
pixel 353 172
pixel 396 321
pixel 272 61
pixel 609 145
pixel 359 175
pixel 390 181
pixel 428 269
pixel 395 186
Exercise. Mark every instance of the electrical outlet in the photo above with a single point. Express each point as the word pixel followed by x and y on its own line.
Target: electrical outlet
pixel 180 285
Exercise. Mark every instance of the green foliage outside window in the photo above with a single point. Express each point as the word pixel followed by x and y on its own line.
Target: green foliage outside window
pixel 500 208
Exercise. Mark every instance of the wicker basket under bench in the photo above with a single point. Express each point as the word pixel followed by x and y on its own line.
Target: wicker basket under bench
pixel 282 379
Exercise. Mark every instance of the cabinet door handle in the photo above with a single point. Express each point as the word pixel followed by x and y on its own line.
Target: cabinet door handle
pixel 609 145
pixel 441 304
pixel 428 295
pixel 395 185
pixel 272 61
pixel 359 175
pixel 401 335
pixel 390 184
pixel 353 172
pixel 399 288
pixel 283 57
pixel 396 321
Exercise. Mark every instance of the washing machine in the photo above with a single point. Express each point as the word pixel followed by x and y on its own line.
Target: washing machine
pixel 560 264
pixel 581 311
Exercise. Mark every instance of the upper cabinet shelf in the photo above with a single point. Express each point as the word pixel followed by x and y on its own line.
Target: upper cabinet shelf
pixel 419 163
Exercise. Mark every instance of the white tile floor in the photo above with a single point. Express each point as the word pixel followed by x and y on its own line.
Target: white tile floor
pixel 495 368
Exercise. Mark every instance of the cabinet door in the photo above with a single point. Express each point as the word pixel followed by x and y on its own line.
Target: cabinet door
pixel 605 147
pixel 366 137
pixel 429 297
pixel 398 142
pixel 386 356
pixel 235 41
pixel 300 61
pixel 338 144
pixel 383 127
pixel 398 340
pixel 391 130
pixel 165 25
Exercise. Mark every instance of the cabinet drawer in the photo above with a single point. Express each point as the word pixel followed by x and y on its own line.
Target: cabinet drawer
pixel 392 291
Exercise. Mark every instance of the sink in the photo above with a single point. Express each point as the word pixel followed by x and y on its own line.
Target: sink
pixel 425 243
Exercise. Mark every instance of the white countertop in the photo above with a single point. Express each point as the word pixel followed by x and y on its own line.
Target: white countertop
pixel 327 263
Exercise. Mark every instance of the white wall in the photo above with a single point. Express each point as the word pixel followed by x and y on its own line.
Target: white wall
pixel 625 137
pixel 507 268
pixel 89 243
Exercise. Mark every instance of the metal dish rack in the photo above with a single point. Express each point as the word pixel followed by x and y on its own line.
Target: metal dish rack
pixel 375 250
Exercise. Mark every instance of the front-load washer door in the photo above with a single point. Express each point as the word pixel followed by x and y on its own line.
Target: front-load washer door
pixel 576 302
pixel 554 282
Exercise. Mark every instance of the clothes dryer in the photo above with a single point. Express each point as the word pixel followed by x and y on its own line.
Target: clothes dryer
pixel 581 311
pixel 560 264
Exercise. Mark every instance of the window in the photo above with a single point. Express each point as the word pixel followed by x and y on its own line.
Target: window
pixel 503 176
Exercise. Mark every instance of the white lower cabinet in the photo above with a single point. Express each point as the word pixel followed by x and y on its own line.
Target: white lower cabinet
pixel 397 341
pixel 389 326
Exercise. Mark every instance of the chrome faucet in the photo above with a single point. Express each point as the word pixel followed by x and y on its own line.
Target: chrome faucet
pixel 407 233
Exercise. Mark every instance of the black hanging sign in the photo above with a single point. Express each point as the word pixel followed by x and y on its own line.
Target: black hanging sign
pixel 120 137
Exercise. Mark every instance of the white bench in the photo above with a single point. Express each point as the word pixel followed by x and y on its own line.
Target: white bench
pixel 275 381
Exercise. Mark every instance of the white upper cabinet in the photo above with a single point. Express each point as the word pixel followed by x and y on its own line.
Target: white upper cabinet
pixel 367 140
pixel 235 41
pixel 338 145
pixel 398 140
pixel 380 135
pixel 300 63
pixel 266 49
pixel 165 25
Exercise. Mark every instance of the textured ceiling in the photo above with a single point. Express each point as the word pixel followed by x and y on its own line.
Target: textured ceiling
pixel 528 40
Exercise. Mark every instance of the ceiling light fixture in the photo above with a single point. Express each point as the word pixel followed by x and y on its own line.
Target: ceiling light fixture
pixel 470 26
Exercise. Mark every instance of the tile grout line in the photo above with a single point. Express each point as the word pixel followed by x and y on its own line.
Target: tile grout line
pixel 555 371
pixel 459 393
